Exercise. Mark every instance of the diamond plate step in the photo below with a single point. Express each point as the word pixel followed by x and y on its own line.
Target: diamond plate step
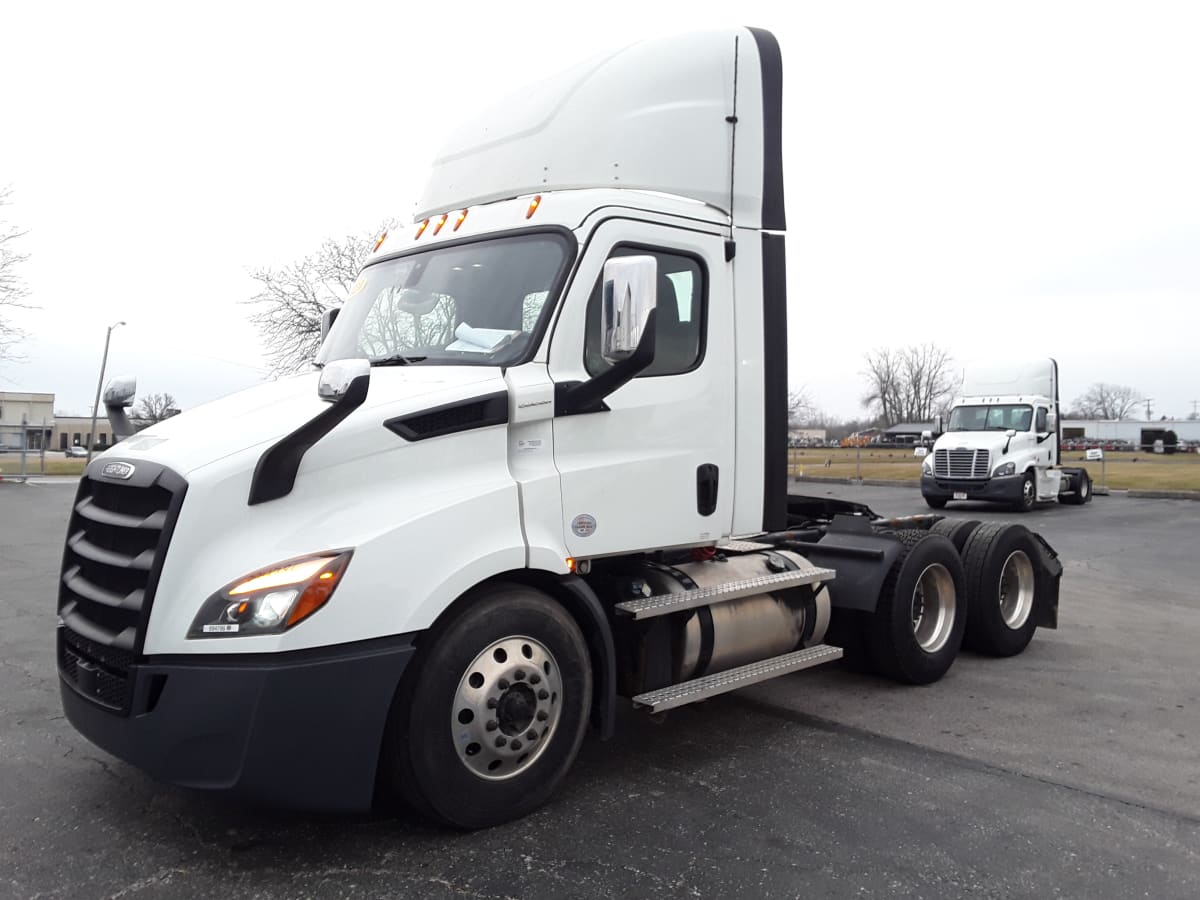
pixel 662 604
pixel 710 685
pixel 744 546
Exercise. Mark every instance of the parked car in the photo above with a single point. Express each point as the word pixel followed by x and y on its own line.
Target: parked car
pixel 76 451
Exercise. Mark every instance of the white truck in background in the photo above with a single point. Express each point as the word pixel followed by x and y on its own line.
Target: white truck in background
pixel 1002 443
pixel 541 471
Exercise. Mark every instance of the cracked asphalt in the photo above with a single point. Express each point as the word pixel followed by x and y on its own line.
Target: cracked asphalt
pixel 1070 771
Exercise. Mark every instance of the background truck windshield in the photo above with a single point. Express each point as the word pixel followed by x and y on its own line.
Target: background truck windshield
pixel 991 418
pixel 478 303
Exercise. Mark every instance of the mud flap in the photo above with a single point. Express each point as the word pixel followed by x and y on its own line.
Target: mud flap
pixel 1050 570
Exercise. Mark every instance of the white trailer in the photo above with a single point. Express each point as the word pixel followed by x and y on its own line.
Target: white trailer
pixel 1002 442
pixel 541 471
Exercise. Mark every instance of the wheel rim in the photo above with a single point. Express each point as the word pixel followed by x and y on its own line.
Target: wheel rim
pixel 1084 487
pixel 1027 492
pixel 934 602
pixel 1016 589
pixel 506 707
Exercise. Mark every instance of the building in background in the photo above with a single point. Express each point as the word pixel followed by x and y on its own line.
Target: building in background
pixel 26 420
pixel 75 431
pixel 1132 434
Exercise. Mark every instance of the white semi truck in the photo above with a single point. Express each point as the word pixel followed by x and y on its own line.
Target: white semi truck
pixel 1002 442
pixel 539 472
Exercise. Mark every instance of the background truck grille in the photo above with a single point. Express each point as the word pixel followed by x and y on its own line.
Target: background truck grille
pixel 116 540
pixel 961 464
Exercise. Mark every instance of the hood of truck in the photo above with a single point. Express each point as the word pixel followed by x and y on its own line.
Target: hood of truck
pixel 265 413
pixel 973 440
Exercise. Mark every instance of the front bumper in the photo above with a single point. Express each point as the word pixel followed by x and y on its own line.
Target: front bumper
pixel 301 730
pixel 1006 489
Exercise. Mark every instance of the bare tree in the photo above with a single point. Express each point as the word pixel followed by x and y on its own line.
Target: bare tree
pixel 154 408
pixel 910 384
pixel 292 299
pixel 1106 401
pixel 801 410
pixel 13 290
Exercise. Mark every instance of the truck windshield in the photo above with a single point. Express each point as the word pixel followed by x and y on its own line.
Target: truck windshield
pixel 991 418
pixel 479 303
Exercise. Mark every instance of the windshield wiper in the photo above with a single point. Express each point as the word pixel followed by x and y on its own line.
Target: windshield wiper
pixel 398 360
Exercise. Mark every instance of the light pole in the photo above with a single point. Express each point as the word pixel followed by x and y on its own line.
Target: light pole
pixel 96 404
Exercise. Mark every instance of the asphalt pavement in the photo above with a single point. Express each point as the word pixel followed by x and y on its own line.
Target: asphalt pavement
pixel 1072 770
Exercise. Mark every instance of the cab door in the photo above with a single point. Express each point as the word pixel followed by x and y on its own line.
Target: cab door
pixel 655 469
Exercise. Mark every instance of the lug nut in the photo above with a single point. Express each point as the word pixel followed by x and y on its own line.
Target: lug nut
pixel 519 674
pixel 542 715
pixel 535 678
pixel 531 735
pixel 516 745
pixel 503 684
pixel 492 725
pixel 492 703
pixel 501 741
pixel 543 694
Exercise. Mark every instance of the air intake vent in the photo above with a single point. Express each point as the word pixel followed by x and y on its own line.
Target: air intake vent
pixel 464 415
pixel 961 463
pixel 116 540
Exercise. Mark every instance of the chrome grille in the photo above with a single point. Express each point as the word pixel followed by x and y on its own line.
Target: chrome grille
pixel 116 540
pixel 961 463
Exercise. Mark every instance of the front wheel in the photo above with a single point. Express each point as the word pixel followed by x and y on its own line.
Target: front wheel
pixel 495 713
pixel 1028 498
pixel 935 502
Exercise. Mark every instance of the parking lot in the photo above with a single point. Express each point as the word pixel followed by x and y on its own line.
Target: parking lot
pixel 1072 770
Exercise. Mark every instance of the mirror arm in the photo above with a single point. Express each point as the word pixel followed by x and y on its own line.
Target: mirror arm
pixel 588 396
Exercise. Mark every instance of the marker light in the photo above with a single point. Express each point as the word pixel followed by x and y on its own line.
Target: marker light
pixel 271 600
pixel 462 217
pixel 441 222
pixel 421 230
pixel 570 564
pixel 533 205
pixel 379 243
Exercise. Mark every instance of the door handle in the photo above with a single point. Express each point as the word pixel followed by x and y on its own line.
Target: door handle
pixel 706 488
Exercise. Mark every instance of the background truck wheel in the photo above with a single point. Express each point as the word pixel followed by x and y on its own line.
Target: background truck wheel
pixel 495 712
pixel 917 627
pixel 957 530
pixel 1028 494
pixel 936 502
pixel 1002 586
pixel 1082 489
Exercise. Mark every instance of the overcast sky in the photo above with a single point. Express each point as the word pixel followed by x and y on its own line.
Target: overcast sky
pixel 1009 178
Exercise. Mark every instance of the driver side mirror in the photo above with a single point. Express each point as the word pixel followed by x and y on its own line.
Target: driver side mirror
pixel 630 295
pixel 327 319
pixel 120 391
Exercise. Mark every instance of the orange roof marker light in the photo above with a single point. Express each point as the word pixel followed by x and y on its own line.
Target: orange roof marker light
pixel 421 230
pixel 379 243
pixel 533 205
pixel 462 217
pixel 441 222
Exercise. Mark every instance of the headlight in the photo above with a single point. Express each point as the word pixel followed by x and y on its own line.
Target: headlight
pixel 927 465
pixel 1007 468
pixel 271 600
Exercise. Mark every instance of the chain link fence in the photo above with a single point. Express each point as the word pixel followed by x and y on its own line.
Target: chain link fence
pixel 23 450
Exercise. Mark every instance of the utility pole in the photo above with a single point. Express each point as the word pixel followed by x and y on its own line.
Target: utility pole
pixel 91 438
pixel 1149 400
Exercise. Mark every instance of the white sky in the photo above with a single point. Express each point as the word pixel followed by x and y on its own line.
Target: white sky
pixel 1015 178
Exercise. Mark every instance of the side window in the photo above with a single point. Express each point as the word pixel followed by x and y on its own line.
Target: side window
pixel 680 328
pixel 1041 421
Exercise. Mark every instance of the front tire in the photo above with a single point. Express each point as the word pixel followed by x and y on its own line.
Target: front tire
pixel 495 714
pixel 1028 493
pixel 935 502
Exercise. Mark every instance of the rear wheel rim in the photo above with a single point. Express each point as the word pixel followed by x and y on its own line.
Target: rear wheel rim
pixel 1084 487
pixel 1016 589
pixel 934 606
pixel 506 708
